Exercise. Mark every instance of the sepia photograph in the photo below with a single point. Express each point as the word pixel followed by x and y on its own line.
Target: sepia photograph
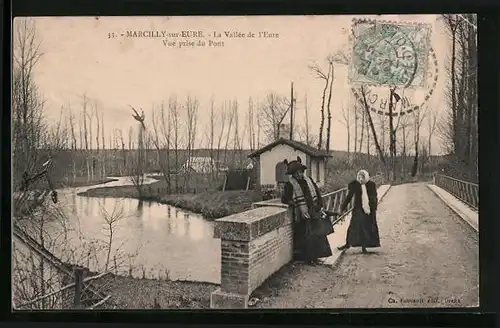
pixel 245 162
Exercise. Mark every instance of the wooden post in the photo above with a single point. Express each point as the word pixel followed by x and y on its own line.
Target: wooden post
pixel 225 181
pixel 78 288
pixel 248 183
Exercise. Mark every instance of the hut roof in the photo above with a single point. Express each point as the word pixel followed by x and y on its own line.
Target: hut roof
pixel 295 145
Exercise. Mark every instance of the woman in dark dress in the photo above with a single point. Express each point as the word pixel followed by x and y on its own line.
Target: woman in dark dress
pixel 304 198
pixel 363 229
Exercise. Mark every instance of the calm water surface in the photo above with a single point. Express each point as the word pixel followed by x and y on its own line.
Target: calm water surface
pixel 150 240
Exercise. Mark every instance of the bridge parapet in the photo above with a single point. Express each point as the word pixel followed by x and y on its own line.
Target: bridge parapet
pixel 254 245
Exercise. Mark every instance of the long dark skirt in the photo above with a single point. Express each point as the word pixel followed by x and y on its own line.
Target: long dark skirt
pixel 363 230
pixel 306 246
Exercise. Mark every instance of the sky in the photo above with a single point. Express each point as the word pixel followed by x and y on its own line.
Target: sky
pixel 79 57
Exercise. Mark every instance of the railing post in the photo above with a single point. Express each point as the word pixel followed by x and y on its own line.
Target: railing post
pixel 78 288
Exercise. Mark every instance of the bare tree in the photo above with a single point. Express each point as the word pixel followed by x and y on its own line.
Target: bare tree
pixel 71 118
pixel 191 107
pixel 239 137
pixel 27 103
pixel 366 108
pixel 111 221
pixel 273 111
pixel 176 137
pixel 130 138
pixel 104 159
pixel 356 123
pixel 259 127
pixel 236 137
pixel 432 120
pixel 162 140
pixel 307 125
pixel 87 127
pixel 32 140
pixel 346 121
pixel 73 139
pixel 97 139
pixel 251 128
pixel 210 137
pixel 90 114
pixel 80 129
pixel 137 170
pixel 36 145
pixel 362 125
pixel 222 117
pixel 330 91
pixel 326 78
pixel 303 132
pixel 368 144
pixel 418 118
pixel 230 115
pixel 459 124
pixel 340 58
pixel 406 124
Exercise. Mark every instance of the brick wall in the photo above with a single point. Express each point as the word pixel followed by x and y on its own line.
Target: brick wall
pixel 254 245
pixel 268 254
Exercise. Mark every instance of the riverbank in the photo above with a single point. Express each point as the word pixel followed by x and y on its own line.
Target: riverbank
pixel 136 293
pixel 211 204
pixel 82 182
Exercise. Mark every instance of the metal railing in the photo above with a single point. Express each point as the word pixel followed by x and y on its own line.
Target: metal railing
pixel 332 200
pixel 467 192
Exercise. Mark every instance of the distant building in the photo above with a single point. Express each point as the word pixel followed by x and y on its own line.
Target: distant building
pixel 202 165
pixel 271 169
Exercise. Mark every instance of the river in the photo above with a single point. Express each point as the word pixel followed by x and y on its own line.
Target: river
pixel 151 240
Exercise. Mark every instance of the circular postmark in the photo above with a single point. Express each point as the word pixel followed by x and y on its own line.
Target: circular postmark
pixel 387 53
pixel 377 97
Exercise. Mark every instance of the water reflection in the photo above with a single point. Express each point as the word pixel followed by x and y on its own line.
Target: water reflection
pixel 151 238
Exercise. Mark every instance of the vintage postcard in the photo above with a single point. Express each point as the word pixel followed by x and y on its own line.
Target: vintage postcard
pixel 217 162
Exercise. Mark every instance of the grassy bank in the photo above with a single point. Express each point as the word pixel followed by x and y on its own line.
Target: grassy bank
pixel 214 205
pixel 134 293
pixel 211 205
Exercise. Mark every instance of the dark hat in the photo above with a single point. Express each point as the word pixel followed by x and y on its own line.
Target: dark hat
pixel 294 166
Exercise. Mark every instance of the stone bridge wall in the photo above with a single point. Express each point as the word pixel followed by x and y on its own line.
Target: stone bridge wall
pixel 254 245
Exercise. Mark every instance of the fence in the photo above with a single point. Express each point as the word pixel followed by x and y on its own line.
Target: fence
pixel 75 295
pixel 467 192
pixel 332 200
pixel 78 293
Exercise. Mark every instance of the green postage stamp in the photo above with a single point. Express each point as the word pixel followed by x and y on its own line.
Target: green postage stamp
pixel 389 53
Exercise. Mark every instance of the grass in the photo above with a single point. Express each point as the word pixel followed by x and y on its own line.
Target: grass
pixel 136 293
pixel 214 205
